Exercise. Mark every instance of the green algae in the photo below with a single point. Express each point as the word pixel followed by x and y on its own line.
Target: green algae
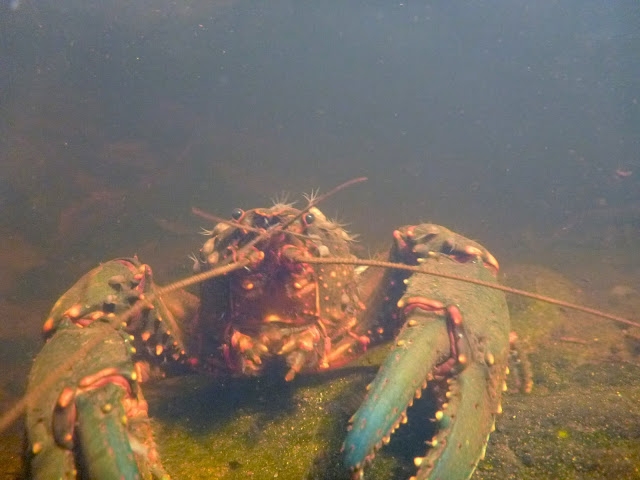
pixel 11 453
pixel 581 419
pixel 264 428
pixel 580 422
pixel 546 435
pixel 255 428
pixel 531 319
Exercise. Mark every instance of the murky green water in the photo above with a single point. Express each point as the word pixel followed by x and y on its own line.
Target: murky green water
pixel 513 123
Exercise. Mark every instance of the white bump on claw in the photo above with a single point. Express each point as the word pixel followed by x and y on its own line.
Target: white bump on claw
pixel 471 250
pixel 490 359
pixel 491 260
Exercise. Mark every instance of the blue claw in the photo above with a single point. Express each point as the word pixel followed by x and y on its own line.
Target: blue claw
pixel 465 343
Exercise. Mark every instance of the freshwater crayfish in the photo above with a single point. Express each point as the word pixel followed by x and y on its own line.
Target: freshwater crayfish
pixel 280 290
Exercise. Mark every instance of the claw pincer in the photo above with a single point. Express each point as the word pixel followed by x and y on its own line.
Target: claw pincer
pixel 94 417
pixel 453 333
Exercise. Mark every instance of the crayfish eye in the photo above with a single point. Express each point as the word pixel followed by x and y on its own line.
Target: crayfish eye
pixel 309 218
pixel 237 213
pixel 262 222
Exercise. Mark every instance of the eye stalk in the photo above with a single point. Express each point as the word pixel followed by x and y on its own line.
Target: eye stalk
pixel 237 213
pixel 309 218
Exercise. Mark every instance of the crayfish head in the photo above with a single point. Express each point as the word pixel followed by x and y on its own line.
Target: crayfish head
pixel 278 307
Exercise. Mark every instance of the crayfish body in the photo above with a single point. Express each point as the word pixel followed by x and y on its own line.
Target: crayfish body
pixel 281 307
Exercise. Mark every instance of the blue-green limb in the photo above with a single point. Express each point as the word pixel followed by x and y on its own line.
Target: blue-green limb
pixel 93 422
pixel 400 379
pixel 424 349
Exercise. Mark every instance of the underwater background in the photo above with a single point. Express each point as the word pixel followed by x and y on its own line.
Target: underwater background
pixel 514 123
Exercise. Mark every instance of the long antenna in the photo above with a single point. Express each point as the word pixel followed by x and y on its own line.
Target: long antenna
pixel 495 286
pixel 225 267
